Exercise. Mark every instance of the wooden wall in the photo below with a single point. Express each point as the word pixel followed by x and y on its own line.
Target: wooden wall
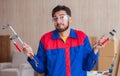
pixel 32 18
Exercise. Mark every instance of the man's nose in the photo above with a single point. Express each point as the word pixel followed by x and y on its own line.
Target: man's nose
pixel 59 20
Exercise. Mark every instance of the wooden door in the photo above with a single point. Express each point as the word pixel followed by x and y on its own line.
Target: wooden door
pixel 4 48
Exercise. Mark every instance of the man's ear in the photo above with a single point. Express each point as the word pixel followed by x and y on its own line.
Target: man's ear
pixel 70 19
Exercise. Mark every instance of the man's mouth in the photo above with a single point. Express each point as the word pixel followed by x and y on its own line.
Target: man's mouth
pixel 59 24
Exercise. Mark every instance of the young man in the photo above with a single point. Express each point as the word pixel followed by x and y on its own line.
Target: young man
pixel 63 51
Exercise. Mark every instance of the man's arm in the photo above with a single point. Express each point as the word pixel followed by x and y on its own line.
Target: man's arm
pixel 36 61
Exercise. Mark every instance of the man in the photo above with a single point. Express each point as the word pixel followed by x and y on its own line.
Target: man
pixel 63 51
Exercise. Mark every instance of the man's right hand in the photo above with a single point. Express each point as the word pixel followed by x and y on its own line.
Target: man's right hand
pixel 27 50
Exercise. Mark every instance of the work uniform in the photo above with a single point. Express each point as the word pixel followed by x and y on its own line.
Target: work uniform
pixel 56 57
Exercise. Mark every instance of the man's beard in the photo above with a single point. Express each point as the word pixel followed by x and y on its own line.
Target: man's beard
pixel 64 29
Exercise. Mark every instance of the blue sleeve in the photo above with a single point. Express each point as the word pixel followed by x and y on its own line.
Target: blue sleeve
pixel 90 58
pixel 40 58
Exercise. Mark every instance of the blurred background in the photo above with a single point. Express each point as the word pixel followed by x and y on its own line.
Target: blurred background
pixel 32 18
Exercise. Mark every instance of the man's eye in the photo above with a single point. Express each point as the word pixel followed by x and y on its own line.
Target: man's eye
pixel 65 17
pixel 55 18
pixel 62 17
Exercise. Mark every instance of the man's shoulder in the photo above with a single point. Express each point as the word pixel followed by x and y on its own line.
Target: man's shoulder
pixel 81 36
pixel 47 35
pixel 80 33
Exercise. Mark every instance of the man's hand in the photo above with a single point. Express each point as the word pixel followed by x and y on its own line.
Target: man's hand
pixel 99 44
pixel 27 50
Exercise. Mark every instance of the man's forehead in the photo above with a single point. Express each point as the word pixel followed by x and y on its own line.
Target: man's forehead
pixel 59 13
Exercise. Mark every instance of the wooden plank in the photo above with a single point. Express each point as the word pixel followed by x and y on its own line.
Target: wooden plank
pixel 117 62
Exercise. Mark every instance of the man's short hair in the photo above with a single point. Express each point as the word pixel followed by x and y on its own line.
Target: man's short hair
pixel 61 7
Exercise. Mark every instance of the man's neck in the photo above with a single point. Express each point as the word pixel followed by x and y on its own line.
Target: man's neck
pixel 65 33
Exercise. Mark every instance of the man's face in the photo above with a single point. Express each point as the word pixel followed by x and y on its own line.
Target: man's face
pixel 61 21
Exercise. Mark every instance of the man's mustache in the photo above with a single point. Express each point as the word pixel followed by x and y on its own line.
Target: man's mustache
pixel 59 24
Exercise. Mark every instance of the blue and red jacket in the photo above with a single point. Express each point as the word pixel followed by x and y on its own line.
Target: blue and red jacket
pixel 73 58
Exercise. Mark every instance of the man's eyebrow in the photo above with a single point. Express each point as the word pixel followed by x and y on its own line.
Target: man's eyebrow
pixel 60 15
